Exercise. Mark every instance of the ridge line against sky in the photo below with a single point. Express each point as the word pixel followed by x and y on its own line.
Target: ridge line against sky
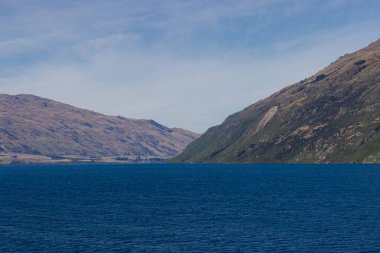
pixel 187 64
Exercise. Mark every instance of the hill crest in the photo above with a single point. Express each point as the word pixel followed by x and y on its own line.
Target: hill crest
pixel 332 116
pixel 35 126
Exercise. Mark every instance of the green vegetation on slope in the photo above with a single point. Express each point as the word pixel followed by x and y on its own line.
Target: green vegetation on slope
pixel 333 116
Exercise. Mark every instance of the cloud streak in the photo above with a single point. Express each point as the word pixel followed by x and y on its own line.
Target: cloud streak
pixel 186 64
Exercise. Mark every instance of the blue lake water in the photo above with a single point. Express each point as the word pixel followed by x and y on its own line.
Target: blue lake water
pixel 190 208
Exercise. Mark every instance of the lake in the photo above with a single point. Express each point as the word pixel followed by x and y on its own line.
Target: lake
pixel 190 208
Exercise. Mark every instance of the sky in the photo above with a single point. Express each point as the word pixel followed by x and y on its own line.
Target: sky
pixel 183 63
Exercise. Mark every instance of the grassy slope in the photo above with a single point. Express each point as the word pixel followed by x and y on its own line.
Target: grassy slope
pixel 333 116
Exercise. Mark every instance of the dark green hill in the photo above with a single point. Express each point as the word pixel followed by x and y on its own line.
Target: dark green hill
pixel 330 117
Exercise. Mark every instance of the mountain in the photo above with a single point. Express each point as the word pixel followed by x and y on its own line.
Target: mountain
pixel 330 117
pixel 35 129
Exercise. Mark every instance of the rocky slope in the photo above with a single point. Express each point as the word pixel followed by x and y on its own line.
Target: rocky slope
pixel 39 129
pixel 330 117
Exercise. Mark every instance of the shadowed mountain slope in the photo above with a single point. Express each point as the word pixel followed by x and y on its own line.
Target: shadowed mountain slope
pixel 332 116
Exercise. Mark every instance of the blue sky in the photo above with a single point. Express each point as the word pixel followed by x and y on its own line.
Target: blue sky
pixel 183 63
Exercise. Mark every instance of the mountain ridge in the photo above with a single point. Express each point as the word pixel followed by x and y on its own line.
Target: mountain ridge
pixel 332 116
pixel 31 125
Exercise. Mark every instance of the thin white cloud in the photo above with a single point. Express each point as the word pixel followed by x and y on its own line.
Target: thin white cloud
pixel 195 93
pixel 102 61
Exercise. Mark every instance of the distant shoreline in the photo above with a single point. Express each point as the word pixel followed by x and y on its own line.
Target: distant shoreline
pixel 23 159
